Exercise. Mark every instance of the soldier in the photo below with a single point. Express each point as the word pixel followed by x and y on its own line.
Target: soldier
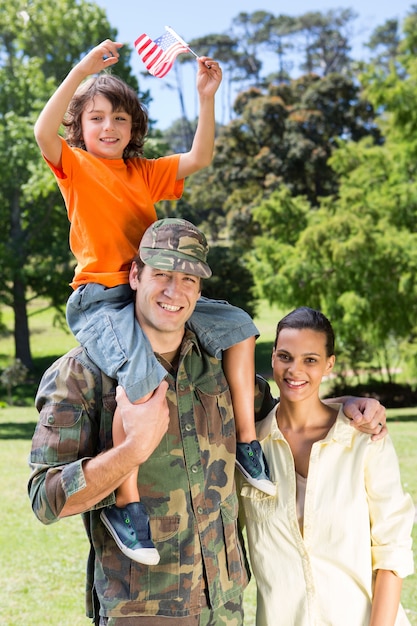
pixel 184 440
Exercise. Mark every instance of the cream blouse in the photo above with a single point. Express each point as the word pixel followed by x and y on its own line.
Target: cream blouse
pixel 357 519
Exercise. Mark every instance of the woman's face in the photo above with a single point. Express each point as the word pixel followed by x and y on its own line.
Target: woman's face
pixel 299 363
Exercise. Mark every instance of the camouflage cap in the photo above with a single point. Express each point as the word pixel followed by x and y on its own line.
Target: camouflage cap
pixel 175 245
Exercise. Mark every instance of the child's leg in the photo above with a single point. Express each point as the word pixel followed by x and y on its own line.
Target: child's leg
pixel 239 368
pixel 128 491
pixel 128 521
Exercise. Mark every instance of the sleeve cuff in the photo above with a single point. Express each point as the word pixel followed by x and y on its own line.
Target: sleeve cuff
pixel 73 481
pixel 396 559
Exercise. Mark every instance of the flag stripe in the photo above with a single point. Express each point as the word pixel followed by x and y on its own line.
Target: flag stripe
pixel 159 55
pixel 165 64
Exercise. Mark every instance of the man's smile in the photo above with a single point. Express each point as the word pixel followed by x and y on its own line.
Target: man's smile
pixel 169 307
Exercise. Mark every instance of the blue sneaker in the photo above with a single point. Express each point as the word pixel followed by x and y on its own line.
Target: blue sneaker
pixel 129 527
pixel 250 460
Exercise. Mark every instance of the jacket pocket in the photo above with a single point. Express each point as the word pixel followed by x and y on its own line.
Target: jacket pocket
pixel 160 582
pixel 218 413
pixel 57 435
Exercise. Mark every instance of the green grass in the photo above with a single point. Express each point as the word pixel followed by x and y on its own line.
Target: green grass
pixel 43 568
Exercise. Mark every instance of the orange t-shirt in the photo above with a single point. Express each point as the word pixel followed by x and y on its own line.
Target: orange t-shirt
pixel 110 204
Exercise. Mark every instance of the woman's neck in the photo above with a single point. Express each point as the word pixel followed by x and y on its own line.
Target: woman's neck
pixel 302 426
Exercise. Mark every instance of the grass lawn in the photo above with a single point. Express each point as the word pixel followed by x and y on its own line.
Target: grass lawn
pixel 42 573
pixel 43 568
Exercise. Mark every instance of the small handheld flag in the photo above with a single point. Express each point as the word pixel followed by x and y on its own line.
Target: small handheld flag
pixel 159 55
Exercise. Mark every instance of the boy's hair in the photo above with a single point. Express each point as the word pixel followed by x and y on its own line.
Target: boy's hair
pixel 304 317
pixel 121 97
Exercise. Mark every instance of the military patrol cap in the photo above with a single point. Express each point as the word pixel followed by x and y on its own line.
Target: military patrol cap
pixel 175 245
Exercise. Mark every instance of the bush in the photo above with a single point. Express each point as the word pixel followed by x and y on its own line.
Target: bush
pixel 391 395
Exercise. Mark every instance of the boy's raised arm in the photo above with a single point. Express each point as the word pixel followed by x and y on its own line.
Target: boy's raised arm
pixel 50 119
pixel 201 154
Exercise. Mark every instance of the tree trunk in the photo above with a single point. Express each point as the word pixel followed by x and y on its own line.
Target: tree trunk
pixel 21 325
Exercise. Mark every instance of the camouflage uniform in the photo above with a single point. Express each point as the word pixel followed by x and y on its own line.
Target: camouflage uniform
pixel 187 486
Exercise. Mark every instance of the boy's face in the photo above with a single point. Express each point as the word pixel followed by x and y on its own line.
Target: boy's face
pixel 106 133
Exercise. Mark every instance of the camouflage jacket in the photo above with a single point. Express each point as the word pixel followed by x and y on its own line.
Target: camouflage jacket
pixel 187 485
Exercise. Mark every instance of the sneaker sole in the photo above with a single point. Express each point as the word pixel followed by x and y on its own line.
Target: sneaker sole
pixel 145 556
pixel 266 486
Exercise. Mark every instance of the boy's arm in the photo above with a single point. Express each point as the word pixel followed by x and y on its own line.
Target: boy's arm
pixel 386 598
pixel 368 415
pixel 50 119
pixel 209 77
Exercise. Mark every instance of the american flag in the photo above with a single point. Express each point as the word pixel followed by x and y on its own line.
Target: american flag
pixel 159 55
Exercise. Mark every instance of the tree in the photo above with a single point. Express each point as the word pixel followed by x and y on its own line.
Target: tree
pixel 284 135
pixel 356 256
pixel 12 376
pixel 326 37
pixel 384 44
pixel 249 30
pixel 350 261
pixel 277 35
pixel 38 46
pixel 237 66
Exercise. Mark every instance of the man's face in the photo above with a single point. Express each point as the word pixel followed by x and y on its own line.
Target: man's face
pixel 164 302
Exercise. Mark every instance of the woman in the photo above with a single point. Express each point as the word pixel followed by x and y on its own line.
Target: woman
pixel 331 547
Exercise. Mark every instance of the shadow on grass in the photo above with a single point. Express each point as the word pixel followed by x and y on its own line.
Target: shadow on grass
pixel 407 417
pixel 12 430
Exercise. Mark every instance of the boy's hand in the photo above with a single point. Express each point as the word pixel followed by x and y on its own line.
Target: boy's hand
pixel 368 415
pixel 101 57
pixel 209 76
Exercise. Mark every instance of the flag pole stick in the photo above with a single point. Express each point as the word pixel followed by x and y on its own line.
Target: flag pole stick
pixel 180 39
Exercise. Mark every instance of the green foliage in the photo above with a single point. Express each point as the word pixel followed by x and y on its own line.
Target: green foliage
pixel 283 135
pixel 384 43
pixel 355 256
pixel 231 280
pixel 352 262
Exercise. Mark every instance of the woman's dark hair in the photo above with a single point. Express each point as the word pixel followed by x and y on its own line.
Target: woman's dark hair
pixel 122 98
pixel 304 317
